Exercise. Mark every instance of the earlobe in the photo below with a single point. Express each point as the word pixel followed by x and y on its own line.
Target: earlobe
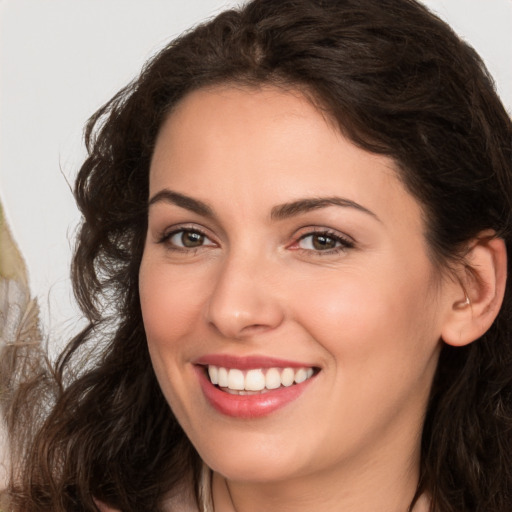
pixel 478 298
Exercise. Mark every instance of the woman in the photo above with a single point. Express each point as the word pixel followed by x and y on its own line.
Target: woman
pixel 293 260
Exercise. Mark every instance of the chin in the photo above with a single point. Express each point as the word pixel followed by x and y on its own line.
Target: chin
pixel 262 462
pixel 244 471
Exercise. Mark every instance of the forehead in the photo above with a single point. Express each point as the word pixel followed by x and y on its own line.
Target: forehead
pixel 264 146
pixel 237 117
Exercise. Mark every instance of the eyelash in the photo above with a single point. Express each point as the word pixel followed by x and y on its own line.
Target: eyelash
pixel 341 243
pixel 166 237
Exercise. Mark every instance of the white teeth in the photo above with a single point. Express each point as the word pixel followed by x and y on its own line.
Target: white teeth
pixel 254 380
pixel 257 380
pixel 273 379
pixel 236 380
pixel 287 377
pixel 301 376
pixel 223 377
pixel 213 372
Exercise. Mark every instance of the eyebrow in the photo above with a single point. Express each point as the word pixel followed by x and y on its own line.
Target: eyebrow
pixel 186 202
pixel 279 212
pixel 301 206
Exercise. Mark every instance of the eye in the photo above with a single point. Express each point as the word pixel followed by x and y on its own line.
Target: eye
pixel 318 242
pixel 186 239
pixel 323 241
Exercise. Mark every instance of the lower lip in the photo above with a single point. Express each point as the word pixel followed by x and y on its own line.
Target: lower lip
pixel 249 406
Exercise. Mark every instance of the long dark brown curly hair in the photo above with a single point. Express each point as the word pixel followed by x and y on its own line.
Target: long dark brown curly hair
pixel 398 82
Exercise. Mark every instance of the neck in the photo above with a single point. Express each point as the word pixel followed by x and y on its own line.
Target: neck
pixel 373 486
pixel 380 473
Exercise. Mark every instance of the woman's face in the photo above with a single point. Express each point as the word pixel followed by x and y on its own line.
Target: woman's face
pixel 277 251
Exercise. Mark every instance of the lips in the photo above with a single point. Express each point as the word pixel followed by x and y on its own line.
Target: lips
pixel 251 387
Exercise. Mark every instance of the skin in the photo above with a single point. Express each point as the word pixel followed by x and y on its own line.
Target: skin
pixel 369 314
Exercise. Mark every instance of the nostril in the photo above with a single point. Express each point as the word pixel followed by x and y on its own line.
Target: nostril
pixel 240 325
pixel 254 329
pixel 240 305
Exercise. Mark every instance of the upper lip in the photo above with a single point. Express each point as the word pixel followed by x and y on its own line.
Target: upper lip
pixel 248 362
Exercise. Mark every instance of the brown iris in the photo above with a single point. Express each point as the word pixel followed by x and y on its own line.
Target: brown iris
pixel 323 242
pixel 191 239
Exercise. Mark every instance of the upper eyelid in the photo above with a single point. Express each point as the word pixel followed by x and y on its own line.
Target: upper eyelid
pixel 187 226
pixel 154 226
pixel 190 230
pixel 166 234
pixel 344 241
pixel 313 230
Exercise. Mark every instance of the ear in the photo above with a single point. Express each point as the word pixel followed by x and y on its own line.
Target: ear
pixel 477 299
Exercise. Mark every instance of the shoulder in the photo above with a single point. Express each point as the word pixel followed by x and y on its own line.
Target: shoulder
pixel 181 502
pixel 182 498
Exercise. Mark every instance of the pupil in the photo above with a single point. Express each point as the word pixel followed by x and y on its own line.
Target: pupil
pixel 192 239
pixel 322 242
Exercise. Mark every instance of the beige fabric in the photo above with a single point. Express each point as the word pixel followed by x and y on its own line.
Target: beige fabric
pixel 19 318
pixel 4 458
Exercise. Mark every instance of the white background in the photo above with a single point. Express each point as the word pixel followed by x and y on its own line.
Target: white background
pixel 60 60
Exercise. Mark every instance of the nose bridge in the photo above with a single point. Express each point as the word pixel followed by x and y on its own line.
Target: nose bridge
pixel 243 300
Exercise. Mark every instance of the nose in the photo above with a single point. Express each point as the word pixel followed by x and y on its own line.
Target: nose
pixel 244 300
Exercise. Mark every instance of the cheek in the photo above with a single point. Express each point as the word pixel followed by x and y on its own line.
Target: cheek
pixel 382 339
pixel 170 302
pixel 355 316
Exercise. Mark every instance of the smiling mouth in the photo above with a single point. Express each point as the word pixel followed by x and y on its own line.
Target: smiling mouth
pixel 257 381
